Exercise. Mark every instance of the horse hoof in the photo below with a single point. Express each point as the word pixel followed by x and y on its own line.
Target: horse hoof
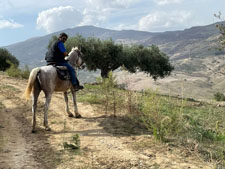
pixel 47 129
pixel 33 131
pixel 70 115
pixel 78 116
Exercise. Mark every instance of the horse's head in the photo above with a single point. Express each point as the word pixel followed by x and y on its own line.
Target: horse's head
pixel 76 57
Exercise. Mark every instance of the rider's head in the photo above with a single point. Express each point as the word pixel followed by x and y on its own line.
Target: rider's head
pixel 63 37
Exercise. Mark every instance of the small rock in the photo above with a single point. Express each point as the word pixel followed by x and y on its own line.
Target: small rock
pixel 7 151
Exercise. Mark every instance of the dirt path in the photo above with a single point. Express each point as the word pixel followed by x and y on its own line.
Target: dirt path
pixel 100 146
pixel 15 149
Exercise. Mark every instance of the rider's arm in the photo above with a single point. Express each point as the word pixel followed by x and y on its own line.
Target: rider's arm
pixel 62 48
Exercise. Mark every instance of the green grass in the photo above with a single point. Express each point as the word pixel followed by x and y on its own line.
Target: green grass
pixel 90 94
pixel 14 71
pixel 73 144
pixel 185 122
pixel 2 105
pixel 8 87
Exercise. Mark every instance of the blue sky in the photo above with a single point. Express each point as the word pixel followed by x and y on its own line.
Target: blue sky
pixel 24 19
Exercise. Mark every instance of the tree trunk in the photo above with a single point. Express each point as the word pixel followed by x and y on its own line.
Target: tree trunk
pixel 104 73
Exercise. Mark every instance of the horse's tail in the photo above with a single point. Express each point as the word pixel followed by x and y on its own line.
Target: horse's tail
pixel 31 80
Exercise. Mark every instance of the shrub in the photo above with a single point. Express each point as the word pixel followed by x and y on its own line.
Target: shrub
pixel 6 58
pixel 14 71
pixel 73 144
pixel 219 96
pixel 159 117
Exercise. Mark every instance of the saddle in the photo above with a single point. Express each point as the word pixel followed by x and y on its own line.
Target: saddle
pixel 62 71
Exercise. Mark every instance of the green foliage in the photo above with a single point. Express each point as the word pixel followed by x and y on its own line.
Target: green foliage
pixel 219 96
pixel 208 134
pixel 107 83
pixel 147 59
pixel 14 71
pixel 74 143
pixel 102 54
pixel 6 58
pixel 76 41
pixel 90 94
pixel 159 117
pixel 2 105
pixel 91 98
pixel 108 86
pixel 107 56
pixel 173 120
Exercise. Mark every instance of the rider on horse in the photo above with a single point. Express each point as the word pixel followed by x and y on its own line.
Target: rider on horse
pixel 56 54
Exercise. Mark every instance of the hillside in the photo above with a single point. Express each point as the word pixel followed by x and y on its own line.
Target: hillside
pixel 192 51
pixel 105 142
pixel 36 47
pixel 176 44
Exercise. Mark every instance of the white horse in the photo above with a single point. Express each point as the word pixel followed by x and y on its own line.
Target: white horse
pixel 45 79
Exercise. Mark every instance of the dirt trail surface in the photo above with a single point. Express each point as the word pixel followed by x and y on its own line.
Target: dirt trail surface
pixel 99 146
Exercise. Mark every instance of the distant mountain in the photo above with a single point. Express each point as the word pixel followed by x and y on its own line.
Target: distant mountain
pixel 32 51
pixel 176 44
pixel 192 52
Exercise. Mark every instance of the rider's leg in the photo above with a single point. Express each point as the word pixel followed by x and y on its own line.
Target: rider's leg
pixel 73 77
pixel 71 72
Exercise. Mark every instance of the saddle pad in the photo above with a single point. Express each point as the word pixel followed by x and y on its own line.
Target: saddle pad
pixel 62 72
pixel 62 67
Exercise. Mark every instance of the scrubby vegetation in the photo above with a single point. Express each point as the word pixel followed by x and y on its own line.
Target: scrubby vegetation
pixel 14 71
pixel 194 125
pixel 9 63
pixel 219 96
pixel 6 59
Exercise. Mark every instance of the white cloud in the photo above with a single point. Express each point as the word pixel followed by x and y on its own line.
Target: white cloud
pixel 159 21
pixel 100 12
pixel 59 18
pixel 101 4
pixel 165 2
pixel 125 27
pixel 9 24
pixel 93 17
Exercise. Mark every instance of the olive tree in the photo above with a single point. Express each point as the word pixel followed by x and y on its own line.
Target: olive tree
pixel 106 55
pixel 147 59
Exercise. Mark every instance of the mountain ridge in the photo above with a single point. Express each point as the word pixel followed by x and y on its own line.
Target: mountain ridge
pixel 145 38
pixel 192 51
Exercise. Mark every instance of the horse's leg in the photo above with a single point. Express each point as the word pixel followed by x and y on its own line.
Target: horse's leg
pixel 67 105
pixel 47 102
pixel 77 115
pixel 36 92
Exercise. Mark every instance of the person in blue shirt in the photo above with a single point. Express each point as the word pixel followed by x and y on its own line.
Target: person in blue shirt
pixel 56 54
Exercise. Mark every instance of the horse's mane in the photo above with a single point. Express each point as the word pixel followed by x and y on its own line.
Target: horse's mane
pixel 74 48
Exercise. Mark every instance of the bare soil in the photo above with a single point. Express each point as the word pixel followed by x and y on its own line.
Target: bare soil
pixel 100 146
